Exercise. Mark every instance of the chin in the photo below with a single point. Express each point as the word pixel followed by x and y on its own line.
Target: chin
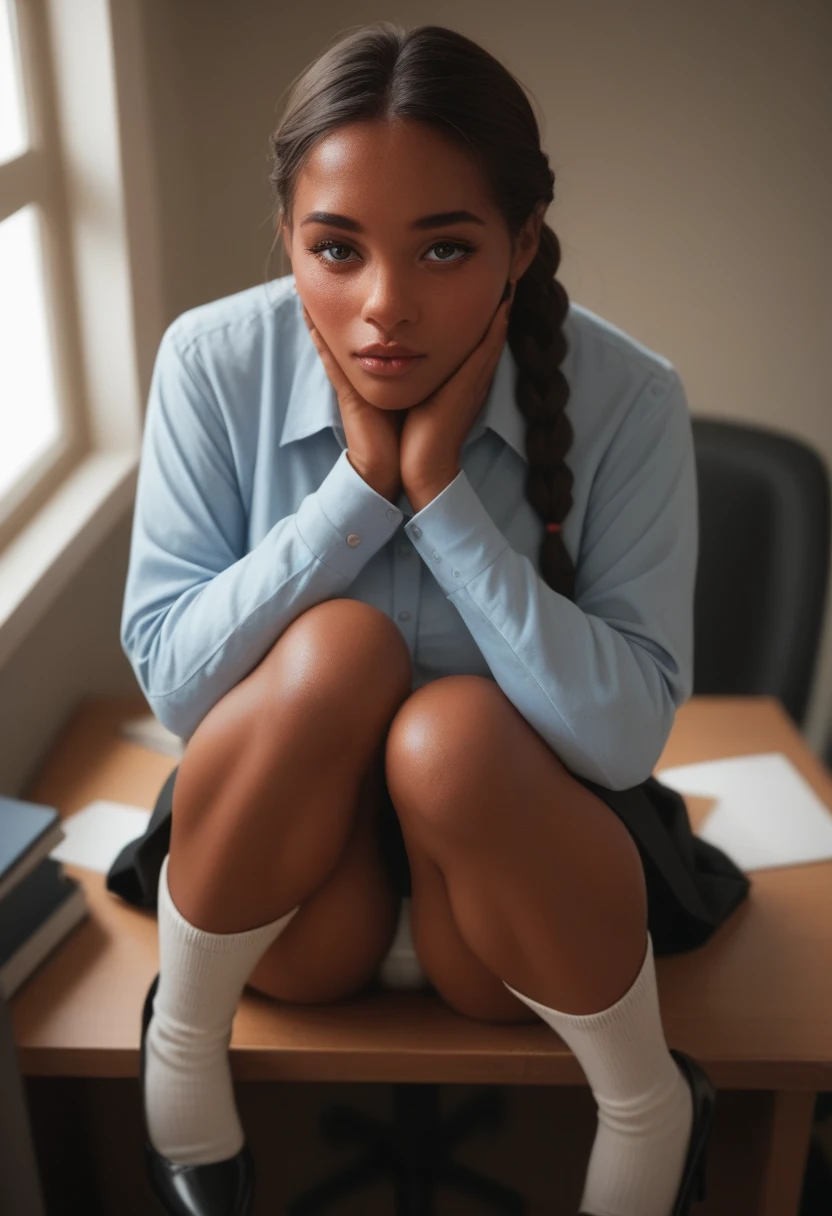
pixel 389 406
pixel 392 398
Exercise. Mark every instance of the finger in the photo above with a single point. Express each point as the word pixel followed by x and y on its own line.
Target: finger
pixel 314 331
pixel 488 348
pixel 474 371
pixel 504 311
pixel 499 325
pixel 485 357
pixel 332 367
pixel 492 347
pixel 321 345
pixel 311 326
pixel 496 331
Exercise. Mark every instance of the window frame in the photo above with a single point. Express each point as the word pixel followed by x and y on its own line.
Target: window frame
pixel 109 231
pixel 36 177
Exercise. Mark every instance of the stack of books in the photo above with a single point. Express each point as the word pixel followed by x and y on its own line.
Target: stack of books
pixel 40 904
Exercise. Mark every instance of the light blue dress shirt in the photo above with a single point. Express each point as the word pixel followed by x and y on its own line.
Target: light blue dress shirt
pixel 248 512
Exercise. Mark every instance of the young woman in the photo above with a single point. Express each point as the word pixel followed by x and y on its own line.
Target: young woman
pixel 412 573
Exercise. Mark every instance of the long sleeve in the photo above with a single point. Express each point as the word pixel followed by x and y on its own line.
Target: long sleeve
pixel 599 679
pixel 199 612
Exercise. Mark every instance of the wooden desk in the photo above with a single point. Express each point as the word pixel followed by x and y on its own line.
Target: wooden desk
pixel 753 1006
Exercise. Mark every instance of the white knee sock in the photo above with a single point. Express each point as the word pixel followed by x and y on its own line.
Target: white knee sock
pixel 189 1094
pixel 645 1107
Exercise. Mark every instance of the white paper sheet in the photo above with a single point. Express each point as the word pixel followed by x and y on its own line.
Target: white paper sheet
pixel 95 835
pixel 149 732
pixel 766 815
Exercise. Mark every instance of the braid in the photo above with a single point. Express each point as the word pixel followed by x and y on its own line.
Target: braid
pixel 539 346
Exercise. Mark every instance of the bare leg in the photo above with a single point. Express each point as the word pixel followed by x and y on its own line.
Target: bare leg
pixel 273 853
pixel 547 890
pixel 542 879
pixel 276 800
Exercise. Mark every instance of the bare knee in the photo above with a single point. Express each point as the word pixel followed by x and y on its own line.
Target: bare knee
pixel 334 678
pixel 352 641
pixel 269 783
pixel 337 652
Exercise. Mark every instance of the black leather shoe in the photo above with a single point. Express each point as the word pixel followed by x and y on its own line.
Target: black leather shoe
pixel 704 1101
pixel 220 1188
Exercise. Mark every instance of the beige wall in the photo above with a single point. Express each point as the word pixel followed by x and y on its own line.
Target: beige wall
pixel 693 184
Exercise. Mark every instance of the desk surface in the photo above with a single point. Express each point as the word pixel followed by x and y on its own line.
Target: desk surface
pixel 754 1005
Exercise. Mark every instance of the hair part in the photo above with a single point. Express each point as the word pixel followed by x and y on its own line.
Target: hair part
pixel 441 78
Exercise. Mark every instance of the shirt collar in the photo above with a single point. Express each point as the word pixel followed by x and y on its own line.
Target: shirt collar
pixel 313 403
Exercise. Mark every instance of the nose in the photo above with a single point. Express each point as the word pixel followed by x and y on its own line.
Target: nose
pixel 390 301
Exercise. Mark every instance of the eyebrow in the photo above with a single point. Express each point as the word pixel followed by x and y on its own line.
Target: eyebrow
pixel 442 219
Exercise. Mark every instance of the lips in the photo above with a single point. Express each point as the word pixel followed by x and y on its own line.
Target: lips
pixel 388 366
pixel 393 351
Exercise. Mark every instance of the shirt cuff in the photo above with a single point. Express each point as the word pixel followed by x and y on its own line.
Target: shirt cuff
pixel 455 535
pixel 345 522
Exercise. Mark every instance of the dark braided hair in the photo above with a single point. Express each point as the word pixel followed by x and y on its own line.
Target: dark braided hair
pixel 438 76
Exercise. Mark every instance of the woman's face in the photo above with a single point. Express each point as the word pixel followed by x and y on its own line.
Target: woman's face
pixel 434 288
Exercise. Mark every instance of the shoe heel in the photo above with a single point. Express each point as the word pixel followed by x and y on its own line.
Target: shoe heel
pixel 700 1181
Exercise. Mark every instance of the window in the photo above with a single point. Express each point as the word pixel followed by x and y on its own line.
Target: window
pixel 42 431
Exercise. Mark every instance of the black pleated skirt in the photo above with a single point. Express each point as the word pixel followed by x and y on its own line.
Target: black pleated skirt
pixel 692 886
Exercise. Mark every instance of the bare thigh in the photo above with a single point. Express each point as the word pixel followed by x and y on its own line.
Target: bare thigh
pixel 276 804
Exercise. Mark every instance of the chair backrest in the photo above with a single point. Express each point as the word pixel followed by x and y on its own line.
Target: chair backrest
pixel 764 523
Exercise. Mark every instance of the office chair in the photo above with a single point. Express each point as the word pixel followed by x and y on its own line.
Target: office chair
pixel 764 518
pixel 764 537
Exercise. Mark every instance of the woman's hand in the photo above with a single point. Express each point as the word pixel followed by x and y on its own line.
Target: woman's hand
pixel 435 430
pixel 372 434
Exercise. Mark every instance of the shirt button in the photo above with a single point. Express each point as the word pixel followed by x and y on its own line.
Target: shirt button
pixel 435 556
pixel 353 539
pixel 416 530
pixel 456 574
pixel 404 615
pixel 391 514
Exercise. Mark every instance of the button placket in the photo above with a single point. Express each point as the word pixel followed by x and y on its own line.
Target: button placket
pixel 406 581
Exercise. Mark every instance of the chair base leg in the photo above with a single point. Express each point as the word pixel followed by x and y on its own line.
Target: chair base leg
pixel 413 1152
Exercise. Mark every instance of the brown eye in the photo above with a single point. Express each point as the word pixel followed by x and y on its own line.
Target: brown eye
pixel 465 249
pixel 445 245
pixel 324 247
